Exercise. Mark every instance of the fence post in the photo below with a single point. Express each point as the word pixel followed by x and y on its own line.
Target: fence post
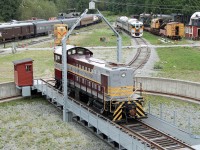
pixel 161 107
pixel 140 89
pixel 189 125
pixel 149 104
pixel 174 117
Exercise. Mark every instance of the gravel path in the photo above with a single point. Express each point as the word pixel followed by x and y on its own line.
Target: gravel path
pixel 38 125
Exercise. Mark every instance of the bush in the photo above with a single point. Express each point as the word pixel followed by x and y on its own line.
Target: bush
pixel 158 66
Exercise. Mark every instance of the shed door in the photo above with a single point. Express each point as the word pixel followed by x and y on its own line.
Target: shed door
pixel 104 82
pixel 198 32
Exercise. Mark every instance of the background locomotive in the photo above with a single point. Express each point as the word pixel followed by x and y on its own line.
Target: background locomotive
pixel 18 30
pixel 107 87
pixel 132 26
pixel 173 30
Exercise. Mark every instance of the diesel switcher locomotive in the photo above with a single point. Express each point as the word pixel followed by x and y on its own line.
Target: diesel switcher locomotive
pixel 132 26
pixel 106 87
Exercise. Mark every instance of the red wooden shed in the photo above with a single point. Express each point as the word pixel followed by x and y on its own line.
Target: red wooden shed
pixel 192 32
pixel 23 72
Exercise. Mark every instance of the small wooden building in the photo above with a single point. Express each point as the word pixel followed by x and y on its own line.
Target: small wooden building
pixel 23 72
pixel 192 32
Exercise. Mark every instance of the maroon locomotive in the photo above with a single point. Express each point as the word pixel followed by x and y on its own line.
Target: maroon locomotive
pixel 106 87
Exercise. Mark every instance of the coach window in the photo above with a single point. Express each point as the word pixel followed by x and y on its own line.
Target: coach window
pixel 89 83
pixel 77 78
pixel 28 68
pixel 99 88
pixel 83 81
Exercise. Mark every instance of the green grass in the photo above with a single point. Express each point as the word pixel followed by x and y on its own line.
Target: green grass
pixel 179 63
pixel 157 100
pixel 22 101
pixel 154 40
pixel 92 38
pixel 42 65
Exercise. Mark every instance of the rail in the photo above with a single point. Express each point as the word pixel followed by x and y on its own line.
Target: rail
pixel 142 55
pixel 158 139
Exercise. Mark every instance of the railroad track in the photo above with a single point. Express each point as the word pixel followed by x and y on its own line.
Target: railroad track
pixel 142 55
pixel 10 99
pixel 156 139
pixel 35 42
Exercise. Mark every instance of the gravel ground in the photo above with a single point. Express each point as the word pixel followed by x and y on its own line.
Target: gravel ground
pixel 148 69
pixel 38 125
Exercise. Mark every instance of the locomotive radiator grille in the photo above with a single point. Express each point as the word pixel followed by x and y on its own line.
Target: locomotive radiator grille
pixel 118 112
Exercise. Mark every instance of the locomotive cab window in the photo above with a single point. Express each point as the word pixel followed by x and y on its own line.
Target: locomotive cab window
pixel 28 68
pixel 69 52
pixel 58 58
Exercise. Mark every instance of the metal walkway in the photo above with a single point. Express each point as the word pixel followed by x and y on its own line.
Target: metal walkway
pixel 104 128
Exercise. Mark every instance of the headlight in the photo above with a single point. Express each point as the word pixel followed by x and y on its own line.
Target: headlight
pixel 123 74
pixel 133 30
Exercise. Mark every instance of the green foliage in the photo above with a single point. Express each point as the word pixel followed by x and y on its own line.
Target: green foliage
pixel 8 9
pixel 157 65
pixel 37 8
pixel 25 9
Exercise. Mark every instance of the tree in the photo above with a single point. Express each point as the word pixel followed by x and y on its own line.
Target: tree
pixel 8 9
pixel 35 8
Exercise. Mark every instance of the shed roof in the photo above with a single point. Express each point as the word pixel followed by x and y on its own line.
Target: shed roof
pixel 16 62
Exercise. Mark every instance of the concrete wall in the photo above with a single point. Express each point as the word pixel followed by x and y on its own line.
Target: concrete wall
pixel 8 90
pixel 170 86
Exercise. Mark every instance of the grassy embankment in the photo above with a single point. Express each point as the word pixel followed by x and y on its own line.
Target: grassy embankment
pixel 179 63
pixel 43 64
pixel 90 37
pixel 155 40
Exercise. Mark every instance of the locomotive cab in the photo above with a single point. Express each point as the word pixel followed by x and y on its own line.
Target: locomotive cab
pixel 136 27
